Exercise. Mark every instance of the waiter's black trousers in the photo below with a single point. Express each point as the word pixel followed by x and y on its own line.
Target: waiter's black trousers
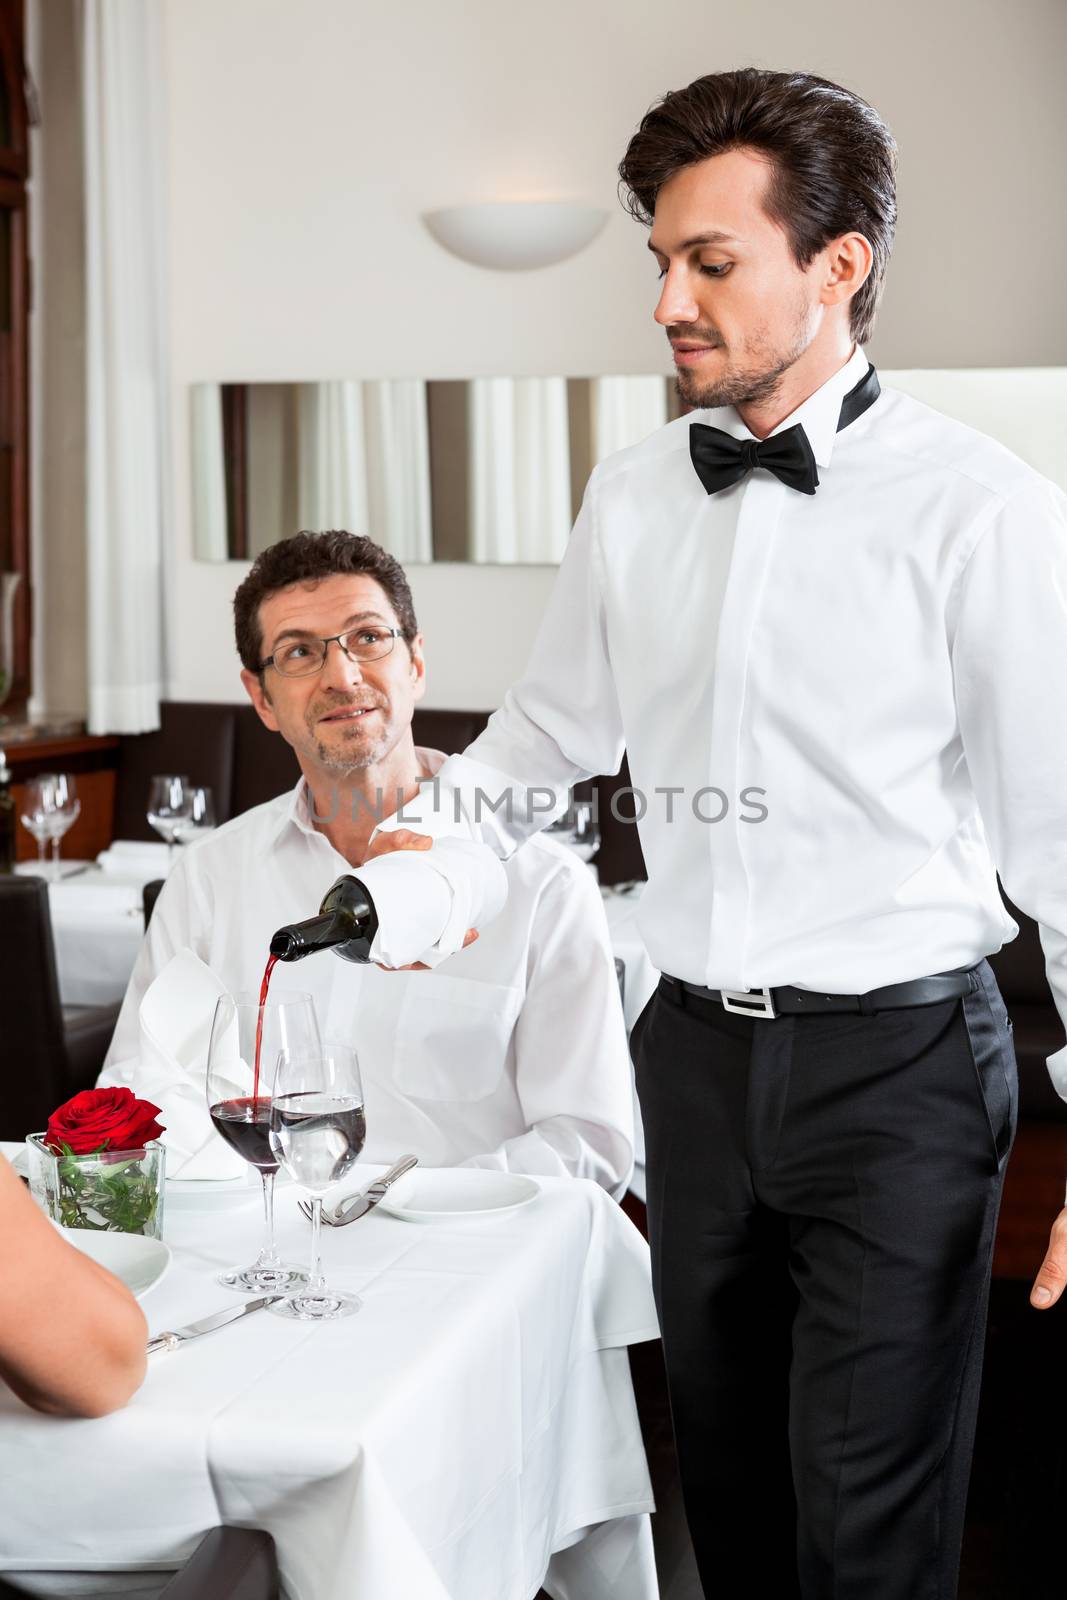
pixel 822 1200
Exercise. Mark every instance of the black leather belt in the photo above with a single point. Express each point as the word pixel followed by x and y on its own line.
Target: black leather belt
pixel 787 1001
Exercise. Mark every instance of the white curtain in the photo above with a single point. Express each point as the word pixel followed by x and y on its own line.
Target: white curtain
pixel 127 444
pixel 210 541
pixel 332 471
pixel 397 433
pixel 520 495
pixel 625 411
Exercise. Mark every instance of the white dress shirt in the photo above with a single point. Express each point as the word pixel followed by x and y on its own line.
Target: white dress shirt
pixel 511 1056
pixel 884 660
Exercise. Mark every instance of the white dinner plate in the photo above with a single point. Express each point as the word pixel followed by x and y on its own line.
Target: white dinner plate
pixel 138 1261
pixel 446 1194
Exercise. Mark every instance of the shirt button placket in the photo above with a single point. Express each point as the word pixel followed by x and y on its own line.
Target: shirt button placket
pixel 759 514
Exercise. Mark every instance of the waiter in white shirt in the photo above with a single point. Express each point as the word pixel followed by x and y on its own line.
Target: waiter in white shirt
pixel 821 618
pixel 512 1056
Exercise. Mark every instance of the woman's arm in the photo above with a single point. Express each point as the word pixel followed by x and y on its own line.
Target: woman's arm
pixel 72 1337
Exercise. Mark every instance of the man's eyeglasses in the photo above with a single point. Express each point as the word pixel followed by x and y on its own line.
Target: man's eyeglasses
pixel 299 658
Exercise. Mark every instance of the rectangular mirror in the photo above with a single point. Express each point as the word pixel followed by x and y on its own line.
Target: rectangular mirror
pixel 484 469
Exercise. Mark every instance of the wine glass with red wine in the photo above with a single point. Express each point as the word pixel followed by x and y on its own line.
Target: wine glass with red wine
pixel 317 1130
pixel 249 1033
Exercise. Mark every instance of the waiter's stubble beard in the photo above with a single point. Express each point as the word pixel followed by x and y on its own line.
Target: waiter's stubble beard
pixel 754 375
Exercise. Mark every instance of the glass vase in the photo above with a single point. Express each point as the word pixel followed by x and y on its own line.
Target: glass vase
pixel 111 1191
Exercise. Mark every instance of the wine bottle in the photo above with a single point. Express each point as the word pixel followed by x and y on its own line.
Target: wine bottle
pixel 7 818
pixel 346 924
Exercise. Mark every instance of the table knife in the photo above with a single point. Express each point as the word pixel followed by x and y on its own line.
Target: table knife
pixel 358 1207
pixel 171 1341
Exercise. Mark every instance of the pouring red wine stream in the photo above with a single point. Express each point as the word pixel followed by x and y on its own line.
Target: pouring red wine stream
pixel 346 924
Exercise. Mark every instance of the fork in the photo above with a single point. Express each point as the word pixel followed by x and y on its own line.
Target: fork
pixel 335 1219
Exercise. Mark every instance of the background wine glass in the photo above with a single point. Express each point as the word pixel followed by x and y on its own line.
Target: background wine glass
pixel 201 819
pixel 169 805
pixel 36 813
pixel 49 807
pixel 577 830
pixel 66 811
pixel 317 1130
pixel 286 1023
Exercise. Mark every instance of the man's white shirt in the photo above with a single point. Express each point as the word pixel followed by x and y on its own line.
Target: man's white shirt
pixel 512 1056
pixel 866 686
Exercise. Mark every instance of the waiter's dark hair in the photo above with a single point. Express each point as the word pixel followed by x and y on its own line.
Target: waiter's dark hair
pixel 308 558
pixel 833 161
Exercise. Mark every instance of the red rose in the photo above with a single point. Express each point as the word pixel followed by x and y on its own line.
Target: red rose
pixel 99 1119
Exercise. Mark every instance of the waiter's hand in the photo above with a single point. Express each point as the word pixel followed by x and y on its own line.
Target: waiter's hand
pixel 405 839
pixel 397 839
pixel 1052 1275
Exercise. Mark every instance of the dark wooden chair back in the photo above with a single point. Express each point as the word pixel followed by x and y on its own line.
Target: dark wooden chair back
pixel 34 1049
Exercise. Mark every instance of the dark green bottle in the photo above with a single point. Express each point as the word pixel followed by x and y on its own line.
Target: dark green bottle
pixel 346 924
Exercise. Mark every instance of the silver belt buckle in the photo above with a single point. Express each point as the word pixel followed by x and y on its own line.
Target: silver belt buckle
pixel 748 1002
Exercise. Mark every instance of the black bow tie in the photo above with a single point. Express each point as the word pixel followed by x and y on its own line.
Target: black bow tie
pixel 721 460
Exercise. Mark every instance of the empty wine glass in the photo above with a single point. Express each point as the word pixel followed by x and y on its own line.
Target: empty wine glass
pixel 169 806
pixel 66 811
pixel 36 813
pixel 245 1029
pixel 317 1130
pixel 201 819
pixel 49 807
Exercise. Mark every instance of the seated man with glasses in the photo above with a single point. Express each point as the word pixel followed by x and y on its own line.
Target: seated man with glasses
pixel 513 1056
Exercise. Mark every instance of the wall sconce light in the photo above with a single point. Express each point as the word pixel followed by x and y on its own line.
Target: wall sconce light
pixel 515 235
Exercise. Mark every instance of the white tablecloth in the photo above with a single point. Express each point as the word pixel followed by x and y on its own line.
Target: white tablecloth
pixel 97 928
pixel 439 1445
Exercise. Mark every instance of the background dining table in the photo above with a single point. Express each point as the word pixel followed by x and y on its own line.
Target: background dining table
pixel 470 1434
pixel 97 915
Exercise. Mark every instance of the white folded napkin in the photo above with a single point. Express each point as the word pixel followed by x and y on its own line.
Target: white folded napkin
pixel 175 1016
pixel 135 858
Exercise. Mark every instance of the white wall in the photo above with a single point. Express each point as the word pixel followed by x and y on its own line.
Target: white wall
pixel 305 141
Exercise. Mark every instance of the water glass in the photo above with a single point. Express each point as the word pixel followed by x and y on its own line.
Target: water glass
pixel 317 1129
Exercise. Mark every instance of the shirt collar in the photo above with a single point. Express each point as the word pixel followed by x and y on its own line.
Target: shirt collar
pixel 296 812
pixel 818 414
